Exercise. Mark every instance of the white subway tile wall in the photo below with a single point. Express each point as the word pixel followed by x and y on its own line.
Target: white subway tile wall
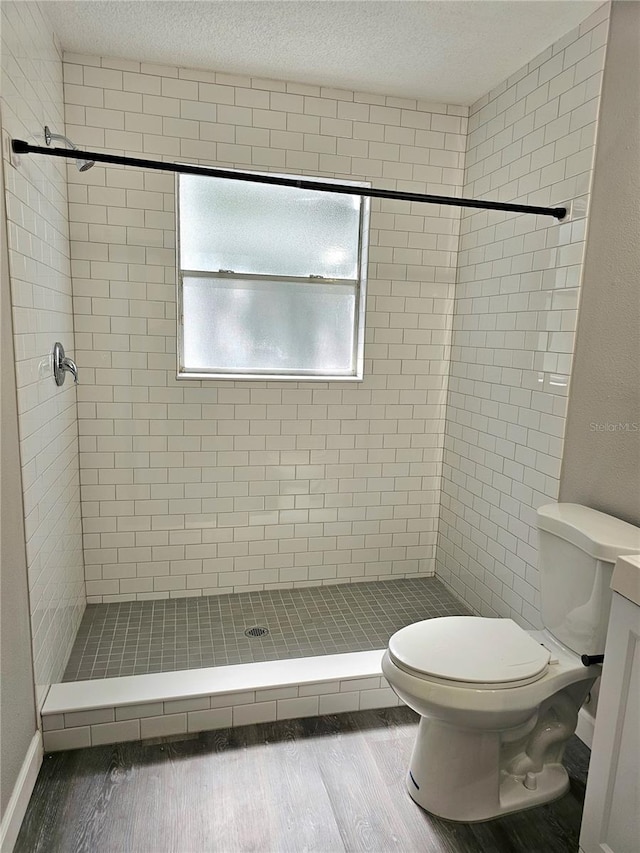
pixel 532 140
pixel 38 237
pixel 192 488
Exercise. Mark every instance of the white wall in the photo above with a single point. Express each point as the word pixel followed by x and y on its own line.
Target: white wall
pixel 207 487
pixel 17 705
pixel 601 465
pixel 36 198
pixel 532 140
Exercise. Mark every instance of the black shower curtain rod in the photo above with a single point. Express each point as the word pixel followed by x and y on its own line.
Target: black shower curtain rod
pixel 19 146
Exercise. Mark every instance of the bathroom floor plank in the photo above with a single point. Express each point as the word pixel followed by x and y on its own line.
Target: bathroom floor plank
pixel 330 784
pixel 77 792
pixel 366 812
pixel 299 797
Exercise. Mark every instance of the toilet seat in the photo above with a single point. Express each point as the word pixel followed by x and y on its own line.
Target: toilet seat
pixel 469 652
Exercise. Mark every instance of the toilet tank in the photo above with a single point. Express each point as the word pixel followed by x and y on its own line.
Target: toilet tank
pixel 577 549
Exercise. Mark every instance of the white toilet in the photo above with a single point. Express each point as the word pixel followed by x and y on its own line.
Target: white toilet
pixel 498 703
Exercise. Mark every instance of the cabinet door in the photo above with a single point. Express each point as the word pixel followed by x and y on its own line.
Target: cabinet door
pixel 611 820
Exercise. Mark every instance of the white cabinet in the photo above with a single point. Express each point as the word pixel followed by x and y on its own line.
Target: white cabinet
pixel 611 819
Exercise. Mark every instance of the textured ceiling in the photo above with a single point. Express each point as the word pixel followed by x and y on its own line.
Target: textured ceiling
pixel 452 51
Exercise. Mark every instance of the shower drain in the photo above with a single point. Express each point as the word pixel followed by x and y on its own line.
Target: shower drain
pixel 256 631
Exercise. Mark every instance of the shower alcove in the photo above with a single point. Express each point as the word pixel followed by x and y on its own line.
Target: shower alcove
pixel 455 428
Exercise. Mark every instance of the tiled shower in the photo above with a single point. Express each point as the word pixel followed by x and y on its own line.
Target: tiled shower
pixel 191 491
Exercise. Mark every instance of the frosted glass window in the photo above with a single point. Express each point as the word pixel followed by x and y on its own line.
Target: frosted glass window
pixel 271 281
pixel 268 326
pixel 270 230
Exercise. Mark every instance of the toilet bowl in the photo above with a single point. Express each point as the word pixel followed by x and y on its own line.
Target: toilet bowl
pixel 498 703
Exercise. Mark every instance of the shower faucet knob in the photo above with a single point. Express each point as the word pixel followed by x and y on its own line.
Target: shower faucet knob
pixel 63 364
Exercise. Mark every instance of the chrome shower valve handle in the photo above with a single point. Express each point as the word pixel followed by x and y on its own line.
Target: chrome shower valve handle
pixel 62 364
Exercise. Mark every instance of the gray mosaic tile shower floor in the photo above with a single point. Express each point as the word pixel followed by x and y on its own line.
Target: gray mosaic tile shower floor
pixel 138 637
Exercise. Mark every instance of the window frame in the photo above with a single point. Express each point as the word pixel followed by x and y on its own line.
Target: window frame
pixel 360 286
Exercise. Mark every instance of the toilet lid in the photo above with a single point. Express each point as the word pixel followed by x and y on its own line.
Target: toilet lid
pixel 469 649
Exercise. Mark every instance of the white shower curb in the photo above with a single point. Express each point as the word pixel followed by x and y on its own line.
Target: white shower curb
pixel 134 707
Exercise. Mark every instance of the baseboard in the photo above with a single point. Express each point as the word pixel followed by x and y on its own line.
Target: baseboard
pixel 22 790
pixel 585 727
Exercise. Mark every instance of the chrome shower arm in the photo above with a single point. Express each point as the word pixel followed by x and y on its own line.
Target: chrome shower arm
pixel 81 162
pixel 48 136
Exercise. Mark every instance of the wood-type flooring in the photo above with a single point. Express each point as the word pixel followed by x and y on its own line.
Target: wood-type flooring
pixel 320 785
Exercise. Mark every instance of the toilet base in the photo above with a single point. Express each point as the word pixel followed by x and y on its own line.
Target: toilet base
pixel 455 774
